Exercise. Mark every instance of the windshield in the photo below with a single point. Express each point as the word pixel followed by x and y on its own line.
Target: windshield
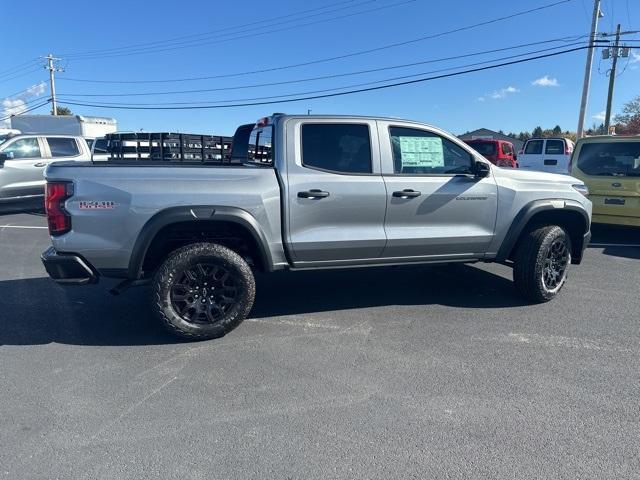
pixel 621 159
pixel 5 137
pixel 484 148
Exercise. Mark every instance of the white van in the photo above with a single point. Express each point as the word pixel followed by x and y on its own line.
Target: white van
pixel 546 154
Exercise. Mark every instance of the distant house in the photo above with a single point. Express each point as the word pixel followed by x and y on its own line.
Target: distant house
pixel 490 134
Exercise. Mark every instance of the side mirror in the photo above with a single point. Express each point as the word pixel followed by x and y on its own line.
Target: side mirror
pixel 5 156
pixel 481 169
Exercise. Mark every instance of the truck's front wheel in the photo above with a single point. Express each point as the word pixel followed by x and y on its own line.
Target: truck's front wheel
pixel 203 291
pixel 541 263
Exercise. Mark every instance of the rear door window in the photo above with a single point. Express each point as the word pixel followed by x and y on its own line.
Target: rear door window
pixel 261 145
pixel 337 147
pixel 534 147
pixel 554 147
pixel 616 159
pixel 484 148
pixel 63 147
pixel 506 149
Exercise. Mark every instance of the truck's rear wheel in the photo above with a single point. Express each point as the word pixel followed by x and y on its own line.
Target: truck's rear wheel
pixel 203 291
pixel 541 263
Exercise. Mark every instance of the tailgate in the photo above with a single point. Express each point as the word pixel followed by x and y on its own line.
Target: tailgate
pixel 615 196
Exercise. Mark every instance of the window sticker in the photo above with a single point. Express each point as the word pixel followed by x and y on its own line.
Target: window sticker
pixel 421 152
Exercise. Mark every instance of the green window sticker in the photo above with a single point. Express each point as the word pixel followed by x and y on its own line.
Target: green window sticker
pixel 423 152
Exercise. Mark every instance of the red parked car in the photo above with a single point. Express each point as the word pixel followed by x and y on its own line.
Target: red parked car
pixel 498 152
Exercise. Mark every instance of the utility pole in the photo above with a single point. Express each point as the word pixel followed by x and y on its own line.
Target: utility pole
pixel 587 70
pixel 52 83
pixel 612 81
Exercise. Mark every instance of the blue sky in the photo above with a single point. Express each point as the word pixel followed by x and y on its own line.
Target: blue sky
pixel 505 98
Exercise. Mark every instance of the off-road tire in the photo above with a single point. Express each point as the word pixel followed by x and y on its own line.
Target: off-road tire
pixel 531 259
pixel 212 256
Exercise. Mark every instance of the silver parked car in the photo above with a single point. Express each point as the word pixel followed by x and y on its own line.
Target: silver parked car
pixel 23 159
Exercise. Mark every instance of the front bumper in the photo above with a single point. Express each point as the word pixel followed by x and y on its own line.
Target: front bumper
pixel 68 269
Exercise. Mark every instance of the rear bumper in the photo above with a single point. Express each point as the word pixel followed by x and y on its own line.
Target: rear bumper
pixel 616 220
pixel 68 269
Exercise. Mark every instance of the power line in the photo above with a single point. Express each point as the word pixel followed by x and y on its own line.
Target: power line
pixel 377 82
pixel 199 43
pixel 325 77
pixel 18 67
pixel 13 95
pixel 330 59
pixel 24 111
pixel 29 102
pixel 337 94
pixel 210 32
pixel 6 79
pixel 484 62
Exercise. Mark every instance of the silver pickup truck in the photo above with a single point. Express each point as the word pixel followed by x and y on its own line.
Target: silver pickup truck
pixel 307 192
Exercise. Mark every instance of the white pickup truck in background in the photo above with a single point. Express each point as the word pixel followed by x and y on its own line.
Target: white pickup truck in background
pixel 24 157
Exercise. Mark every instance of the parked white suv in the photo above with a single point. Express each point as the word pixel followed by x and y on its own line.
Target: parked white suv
pixel 546 154
pixel 23 159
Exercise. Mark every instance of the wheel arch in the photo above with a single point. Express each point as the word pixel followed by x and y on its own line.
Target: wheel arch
pixel 568 214
pixel 198 218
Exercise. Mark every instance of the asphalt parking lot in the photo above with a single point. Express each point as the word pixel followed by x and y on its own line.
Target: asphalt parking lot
pixel 421 372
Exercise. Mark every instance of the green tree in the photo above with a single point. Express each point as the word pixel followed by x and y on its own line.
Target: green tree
pixel 524 136
pixel 63 111
pixel 537 132
pixel 556 131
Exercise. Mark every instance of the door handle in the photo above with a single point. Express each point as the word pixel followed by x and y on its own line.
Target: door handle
pixel 407 193
pixel 40 164
pixel 313 193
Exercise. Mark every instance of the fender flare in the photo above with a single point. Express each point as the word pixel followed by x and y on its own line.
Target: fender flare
pixel 528 211
pixel 198 213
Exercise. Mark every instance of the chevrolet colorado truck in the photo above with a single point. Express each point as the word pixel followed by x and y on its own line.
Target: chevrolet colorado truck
pixel 305 192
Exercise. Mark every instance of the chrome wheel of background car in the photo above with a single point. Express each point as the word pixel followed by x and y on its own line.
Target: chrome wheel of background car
pixel 556 264
pixel 204 293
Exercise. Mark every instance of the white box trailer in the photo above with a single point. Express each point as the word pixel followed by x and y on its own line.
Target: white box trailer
pixel 90 127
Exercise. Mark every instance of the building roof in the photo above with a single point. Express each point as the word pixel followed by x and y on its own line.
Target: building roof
pixel 486 133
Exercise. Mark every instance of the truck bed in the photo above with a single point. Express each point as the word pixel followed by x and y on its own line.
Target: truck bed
pixel 112 203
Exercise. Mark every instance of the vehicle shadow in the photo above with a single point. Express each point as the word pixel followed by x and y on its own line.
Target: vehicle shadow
pixel 455 285
pixel 624 252
pixel 617 241
pixel 38 311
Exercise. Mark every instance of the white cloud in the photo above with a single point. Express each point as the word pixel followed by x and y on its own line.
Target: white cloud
pixel 634 58
pixel 546 81
pixel 17 104
pixel 498 94
pixel 600 116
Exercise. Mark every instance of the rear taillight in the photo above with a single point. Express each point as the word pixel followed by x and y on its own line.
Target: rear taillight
pixel 58 218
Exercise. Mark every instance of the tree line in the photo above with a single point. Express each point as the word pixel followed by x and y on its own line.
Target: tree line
pixel 626 123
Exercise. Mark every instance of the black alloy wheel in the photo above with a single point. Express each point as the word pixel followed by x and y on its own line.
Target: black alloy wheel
pixel 203 291
pixel 554 271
